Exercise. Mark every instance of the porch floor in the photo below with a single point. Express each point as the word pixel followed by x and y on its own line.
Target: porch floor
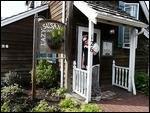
pixel 75 96
pixel 116 99
pixel 108 92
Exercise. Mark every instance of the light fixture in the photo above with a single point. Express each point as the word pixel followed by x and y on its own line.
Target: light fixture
pixel 112 31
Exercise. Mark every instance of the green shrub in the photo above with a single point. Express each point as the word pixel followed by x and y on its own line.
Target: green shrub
pixel 20 107
pixel 90 108
pixel 43 107
pixel 142 81
pixel 13 77
pixel 68 104
pixel 47 75
pixel 59 93
pixel 9 92
pixel 5 107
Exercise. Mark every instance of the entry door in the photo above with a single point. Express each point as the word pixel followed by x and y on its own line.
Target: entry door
pixel 84 31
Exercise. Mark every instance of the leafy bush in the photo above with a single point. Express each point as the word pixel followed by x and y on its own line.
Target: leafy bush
pixel 68 104
pixel 13 77
pixel 9 92
pixel 20 107
pixel 5 107
pixel 142 81
pixel 46 75
pixel 43 107
pixel 59 93
pixel 90 108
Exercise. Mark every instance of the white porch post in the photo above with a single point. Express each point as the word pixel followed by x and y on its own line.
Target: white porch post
pixel 62 55
pixel 132 62
pixel 90 57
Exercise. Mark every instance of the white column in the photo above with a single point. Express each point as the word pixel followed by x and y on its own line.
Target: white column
pixel 132 62
pixel 62 55
pixel 90 59
pixel 113 72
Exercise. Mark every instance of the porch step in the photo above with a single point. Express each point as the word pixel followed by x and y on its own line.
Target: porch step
pixel 76 96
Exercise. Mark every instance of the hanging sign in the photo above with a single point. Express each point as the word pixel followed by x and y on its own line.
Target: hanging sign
pixel 51 37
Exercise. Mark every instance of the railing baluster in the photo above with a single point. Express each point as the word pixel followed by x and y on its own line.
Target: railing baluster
pixel 80 81
pixel 120 76
pixel 126 81
pixel 116 75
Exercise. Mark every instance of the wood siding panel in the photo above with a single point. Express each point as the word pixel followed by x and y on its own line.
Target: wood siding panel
pixel 56 10
pixel 19 37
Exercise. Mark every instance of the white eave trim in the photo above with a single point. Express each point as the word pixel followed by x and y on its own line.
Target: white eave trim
pixel 96 16
pixel 23 15
pixel 146 33
pixel 86 10
pixel 120 20
pixel 145 10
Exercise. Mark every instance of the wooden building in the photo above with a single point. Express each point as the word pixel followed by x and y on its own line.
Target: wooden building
pixel 105 21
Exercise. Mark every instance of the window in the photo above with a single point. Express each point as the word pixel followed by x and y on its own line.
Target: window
pixel 124 32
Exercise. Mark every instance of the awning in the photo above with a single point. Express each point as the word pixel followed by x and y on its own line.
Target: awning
pixel 95 14
pixel 23 15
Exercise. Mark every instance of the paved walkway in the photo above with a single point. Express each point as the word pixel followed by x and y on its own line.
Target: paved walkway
pixel 120 100
pixel 116 99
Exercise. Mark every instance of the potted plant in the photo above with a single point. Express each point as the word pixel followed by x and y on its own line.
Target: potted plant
pixel 56 40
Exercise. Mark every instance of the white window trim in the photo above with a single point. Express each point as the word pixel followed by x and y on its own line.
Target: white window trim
pixel 125 47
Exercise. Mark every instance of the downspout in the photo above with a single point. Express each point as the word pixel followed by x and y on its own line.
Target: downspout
pixel 62 55
pixel 142 30
pixel 132 67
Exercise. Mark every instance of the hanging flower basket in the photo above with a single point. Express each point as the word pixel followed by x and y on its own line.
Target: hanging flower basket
pixel 55 39
pixel 55 45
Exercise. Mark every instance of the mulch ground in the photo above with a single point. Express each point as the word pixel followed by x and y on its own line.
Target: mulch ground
pixel 26 98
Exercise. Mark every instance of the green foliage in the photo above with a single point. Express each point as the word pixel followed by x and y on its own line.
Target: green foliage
pixel 90 108
pixel 20 107
pixel 42 107
pixel 9 92
pixel 59 93
pixel 46 74
pixel 11 78
pixel 68 104
pixel 2 83
pixel 52 90
pixel 57 34
pixel 5 107
pixel 142 81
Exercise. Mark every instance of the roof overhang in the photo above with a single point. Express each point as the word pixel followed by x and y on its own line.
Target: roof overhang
pixel 23 15
pixel 97 16
pixel 146 33
pixel 145 9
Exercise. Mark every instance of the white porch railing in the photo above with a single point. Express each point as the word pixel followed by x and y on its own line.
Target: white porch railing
pixel 120 76
pixel 79 81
